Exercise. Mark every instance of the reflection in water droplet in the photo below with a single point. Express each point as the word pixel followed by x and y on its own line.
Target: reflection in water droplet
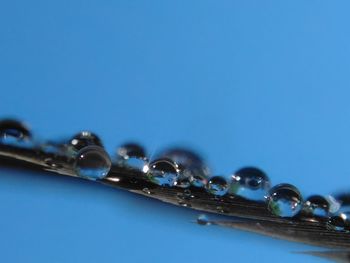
pixel 203 220
pixel 13 132
pixel 284 200
pixel 217 185
pixel 92 162
pixel 192 168
pixel 83 139
pixel 339 222
pixel 163 172
pixel 132 155
pixel 316 205
pixel 250 183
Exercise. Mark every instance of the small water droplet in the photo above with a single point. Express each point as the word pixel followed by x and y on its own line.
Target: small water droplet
pixel 185 195
pixel 284 200
pixel 13 132
pixel 132 155
pixel 184 203
pixel 334 205
pixel 50 147
pixel 50 162
pixel 316 205
pixel 220 209
pixel 92 162
pixel 193 169
pixel 203 220
pixel 217 185
pixel 344 201
pixel 339 222
pixel 199 181
pixel 146 191
pixel 163 172
pixel 83 139
pixel 250 183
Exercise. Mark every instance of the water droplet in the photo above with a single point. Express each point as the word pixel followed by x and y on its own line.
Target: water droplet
pixel 185 195
pixel 184 203
pixel 163 172
pixel 14 132
pixel 344 201
pixel 203 220
pixel 334 205
pixel 50 162
pixel 339 222
pixel 220 209
pixel 132 155
pixel 83 139
pixel 146 191
pixel 50 147
pixel 316 205
pixel 250 183
pixel 284 200
pixel 192 168
pixel 217 185
pixel 92 162
pixel 199 181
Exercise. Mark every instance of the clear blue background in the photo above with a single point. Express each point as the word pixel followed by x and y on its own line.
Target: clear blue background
pixel 262 83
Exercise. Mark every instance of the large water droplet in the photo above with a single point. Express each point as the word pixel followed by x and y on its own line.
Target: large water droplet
pixel 203 220
pixel 192 168
pixel 284 200
pixel 92 162
pixel 217 185
pixel 316 205
pixel 14 132
pixel 83 139
pixel 132 155
pixel 250 183
pixel 339 222
pixel 163 172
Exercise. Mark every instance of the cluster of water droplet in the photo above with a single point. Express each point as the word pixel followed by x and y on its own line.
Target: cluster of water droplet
pixel 184 169
pixel 85 148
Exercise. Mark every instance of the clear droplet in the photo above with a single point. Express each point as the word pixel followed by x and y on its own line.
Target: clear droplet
pixel 92 162
pixel 344 201
pixel 217 185
pixel 316 205
pixel 163 172
pixel 51 163
pixel 334 205
pixel 199 181
pixel 50 147
pixel 185 195
pixel 250 183
pixel 339 222
pixel 132 155
pixel 192 168
pixel 13 132
pixel 83 139
pixel 284 200
pixel 203 220
pixel 146 191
